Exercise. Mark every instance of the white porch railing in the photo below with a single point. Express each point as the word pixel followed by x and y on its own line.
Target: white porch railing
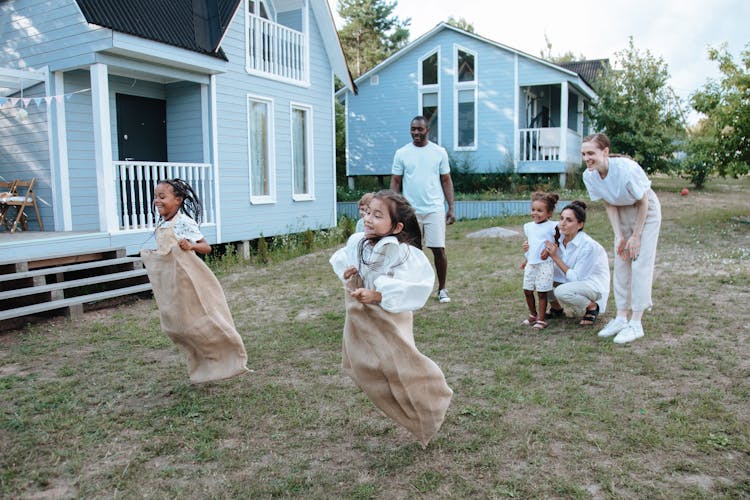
pixel 276 50
pixel 539 144
pixel 136 181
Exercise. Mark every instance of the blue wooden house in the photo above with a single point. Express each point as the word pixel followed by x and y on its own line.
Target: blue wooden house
pixel 100 98
pixel 491 106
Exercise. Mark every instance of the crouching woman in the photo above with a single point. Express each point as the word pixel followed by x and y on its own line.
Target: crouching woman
pixel 581 268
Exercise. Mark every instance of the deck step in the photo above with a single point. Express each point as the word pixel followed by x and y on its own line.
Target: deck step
pixel 73 301
pixel 66 269
pixel 67 282
pixel 64 285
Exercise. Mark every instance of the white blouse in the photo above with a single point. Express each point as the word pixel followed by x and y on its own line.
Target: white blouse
pixel 401 273
pixel 625 183
pixel 587 262
pixel 184 227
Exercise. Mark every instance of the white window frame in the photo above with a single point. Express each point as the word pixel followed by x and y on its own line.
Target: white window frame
pixel 260 199
pixel 464 86
pixel 310 167
pixel 430 89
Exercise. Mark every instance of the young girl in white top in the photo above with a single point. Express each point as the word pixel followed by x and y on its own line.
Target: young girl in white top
pixel 538 270
pixel 192 307
pixel 386 277
pixel 362 205
pixel 635 214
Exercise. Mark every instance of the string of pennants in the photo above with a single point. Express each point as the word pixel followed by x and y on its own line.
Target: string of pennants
pixel 12 102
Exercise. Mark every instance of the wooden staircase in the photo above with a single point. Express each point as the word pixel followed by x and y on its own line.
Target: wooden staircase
pixel 66 284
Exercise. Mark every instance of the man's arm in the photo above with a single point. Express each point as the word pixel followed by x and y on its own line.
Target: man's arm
pixel 447 183
pixel 396 183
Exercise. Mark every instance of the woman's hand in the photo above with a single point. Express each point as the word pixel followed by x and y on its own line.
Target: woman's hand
pixel 366 296
pixel 632 248
pixel 620 243
pixel 550 248
pixel 349 272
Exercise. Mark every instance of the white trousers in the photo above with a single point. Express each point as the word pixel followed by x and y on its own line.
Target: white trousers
pixel 633 278
pixel 575 296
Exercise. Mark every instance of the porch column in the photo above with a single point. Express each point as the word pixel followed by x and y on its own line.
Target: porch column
pixel 579 125
pixel 105 176
pixel 63 211
pixel 564 131
pixel 564 121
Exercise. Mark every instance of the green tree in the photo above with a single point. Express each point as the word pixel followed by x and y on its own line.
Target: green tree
pixel 370 33
pixel 461 23
pixel 568 56
pixel 636 110
pixel 721 143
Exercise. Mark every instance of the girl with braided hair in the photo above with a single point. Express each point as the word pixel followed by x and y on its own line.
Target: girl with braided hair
pixel 192 306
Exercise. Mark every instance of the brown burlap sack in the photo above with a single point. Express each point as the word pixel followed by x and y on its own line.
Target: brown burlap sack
pixel 195 315
pixel 379 354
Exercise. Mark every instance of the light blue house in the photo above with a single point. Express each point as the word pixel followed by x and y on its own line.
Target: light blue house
pixel 489 105
pixel 100 98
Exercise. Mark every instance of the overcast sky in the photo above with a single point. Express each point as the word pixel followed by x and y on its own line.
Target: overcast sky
pixel 678 31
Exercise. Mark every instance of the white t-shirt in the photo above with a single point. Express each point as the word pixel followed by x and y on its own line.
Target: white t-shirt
pixel 184 227
pixel 421 169
pixel 401 273
pixel 537 234
pixel 587 262
pixel 626 183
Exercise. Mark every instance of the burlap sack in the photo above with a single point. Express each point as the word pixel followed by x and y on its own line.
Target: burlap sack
pixel 379 354
pixel 195 315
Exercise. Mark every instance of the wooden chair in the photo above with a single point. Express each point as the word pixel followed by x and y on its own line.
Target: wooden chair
pixel 7 188
pixel 21 196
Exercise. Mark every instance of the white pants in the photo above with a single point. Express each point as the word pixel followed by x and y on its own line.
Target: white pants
pixel 633 278
pixel 575 296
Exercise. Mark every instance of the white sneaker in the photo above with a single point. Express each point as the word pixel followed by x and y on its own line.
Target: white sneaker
pixel 629 333
pixel 613 327
pixel 443 296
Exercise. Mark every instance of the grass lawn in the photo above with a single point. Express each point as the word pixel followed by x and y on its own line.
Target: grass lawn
pixel 101 407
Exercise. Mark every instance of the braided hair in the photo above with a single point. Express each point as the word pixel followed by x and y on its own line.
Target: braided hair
pixel 191 205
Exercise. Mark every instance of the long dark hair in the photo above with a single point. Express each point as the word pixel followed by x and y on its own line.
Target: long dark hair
pixel 578 208
pixel 191 205
pixel 401 211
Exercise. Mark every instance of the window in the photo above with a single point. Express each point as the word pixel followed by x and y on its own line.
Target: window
pixel 257 7
pixel 260 136
pixel 466 119
pixel 429 92
pixel 465 111
pixel 430 69
pixel 430 111
pixel 465 66
pixel 302 177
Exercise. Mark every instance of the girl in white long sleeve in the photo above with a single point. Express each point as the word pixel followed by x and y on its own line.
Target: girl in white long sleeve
pixel 386 277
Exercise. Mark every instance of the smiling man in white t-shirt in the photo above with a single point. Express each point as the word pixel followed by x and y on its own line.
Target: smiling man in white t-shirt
pixel 422 172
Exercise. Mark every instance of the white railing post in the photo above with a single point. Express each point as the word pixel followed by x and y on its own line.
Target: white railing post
pixel 276 49
pixel 137 181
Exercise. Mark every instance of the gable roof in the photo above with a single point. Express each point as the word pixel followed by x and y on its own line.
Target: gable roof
pixel 590 70
pixel 196 25
pixel 442 26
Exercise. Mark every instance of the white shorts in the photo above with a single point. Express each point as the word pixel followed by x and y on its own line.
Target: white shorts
pixel 433 229
pixel 538 276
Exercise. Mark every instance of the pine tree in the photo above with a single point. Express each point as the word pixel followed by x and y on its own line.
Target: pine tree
pixel 370 33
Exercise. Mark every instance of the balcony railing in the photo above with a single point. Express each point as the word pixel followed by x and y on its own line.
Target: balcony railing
pixel 540 144
pixel 137 180
pixel 276 50
pixel 545 144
